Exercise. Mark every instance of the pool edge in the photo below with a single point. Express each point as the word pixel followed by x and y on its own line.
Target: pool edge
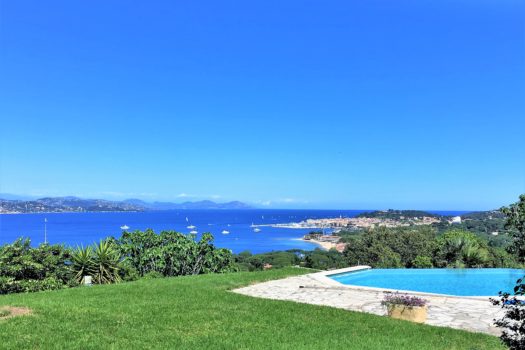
pixel 324 278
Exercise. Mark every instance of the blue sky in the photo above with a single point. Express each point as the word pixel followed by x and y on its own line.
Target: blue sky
pixel 332 104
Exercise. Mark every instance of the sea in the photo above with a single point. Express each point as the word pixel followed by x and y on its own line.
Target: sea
pixel 74 229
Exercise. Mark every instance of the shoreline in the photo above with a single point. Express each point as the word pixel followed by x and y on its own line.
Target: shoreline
pixel 323 245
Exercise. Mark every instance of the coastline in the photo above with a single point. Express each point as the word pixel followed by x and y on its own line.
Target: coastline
pixel 322 245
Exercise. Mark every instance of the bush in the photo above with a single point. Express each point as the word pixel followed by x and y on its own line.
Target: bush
pixel 173 254
pixel 390 247
pixel 513 321
pixel 422 262
pixel 27 269
pixel 459 248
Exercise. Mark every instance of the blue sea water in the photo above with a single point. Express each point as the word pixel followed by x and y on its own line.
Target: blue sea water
pixel 85 228
pixel 460 282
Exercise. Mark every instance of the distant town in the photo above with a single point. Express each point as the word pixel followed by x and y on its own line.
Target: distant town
pixel 326 232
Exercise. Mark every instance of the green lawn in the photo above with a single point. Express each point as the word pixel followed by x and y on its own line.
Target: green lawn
pixel 198 312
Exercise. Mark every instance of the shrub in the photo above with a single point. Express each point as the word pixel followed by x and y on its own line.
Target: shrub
pixel 102 262
pixel 173 254
pixel 513 321
pixel 389 247
pixel 460 248
pixel 27 269
pixel 422 262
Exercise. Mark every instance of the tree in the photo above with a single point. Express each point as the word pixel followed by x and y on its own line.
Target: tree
pixel 27 269
pixel 460 248
pixel 390 247
pixel 172 253
pixel 513 322
pixel 515 214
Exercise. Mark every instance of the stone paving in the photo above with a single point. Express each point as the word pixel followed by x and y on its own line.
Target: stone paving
pixel 471 314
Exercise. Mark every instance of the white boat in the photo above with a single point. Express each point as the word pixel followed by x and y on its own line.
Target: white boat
pixel 256 229
pixel 193 232
pixel 252 225
pixel 191 227
pixel 125 227
pixel 225 232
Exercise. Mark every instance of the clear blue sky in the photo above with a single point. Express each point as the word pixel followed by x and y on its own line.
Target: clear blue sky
pixel 321 104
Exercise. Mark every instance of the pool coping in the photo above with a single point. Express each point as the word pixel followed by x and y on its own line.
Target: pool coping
pixel 324 278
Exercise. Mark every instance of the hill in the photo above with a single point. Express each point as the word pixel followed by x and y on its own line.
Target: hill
pixel 64 204
pixel 397 214
pixel 75 204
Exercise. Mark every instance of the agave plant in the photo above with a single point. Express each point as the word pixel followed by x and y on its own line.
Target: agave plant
pixel 82 262
pixel 106 263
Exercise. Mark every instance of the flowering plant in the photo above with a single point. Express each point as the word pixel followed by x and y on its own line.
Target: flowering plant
pixel 403 299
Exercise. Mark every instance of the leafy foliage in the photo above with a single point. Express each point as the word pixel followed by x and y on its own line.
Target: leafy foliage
pixel 173 254
pixel 141 253
pixel 460 248
pixel 315 259
pixel 513 322
pixel 390 247
pixel 422 262
pixel 516 222
pixel 27 269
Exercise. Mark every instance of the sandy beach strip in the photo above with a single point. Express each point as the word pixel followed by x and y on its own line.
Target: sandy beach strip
pixel 323 245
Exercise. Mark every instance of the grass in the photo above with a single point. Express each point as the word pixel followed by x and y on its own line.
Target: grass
pixel 198 312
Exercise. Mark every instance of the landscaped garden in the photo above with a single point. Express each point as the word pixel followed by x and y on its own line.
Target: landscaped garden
pixel 199 312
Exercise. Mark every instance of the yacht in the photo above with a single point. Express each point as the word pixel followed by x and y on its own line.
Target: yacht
pixel 191 227
pixel 256 229
pixel 225 232
pixel 193 232
pixel 125 227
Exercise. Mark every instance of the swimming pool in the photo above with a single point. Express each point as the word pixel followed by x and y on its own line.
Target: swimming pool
pixel 460 282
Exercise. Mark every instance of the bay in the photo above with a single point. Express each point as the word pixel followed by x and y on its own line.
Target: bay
pixel 74 229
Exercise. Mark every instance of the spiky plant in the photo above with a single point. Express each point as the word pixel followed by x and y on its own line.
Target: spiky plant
pixel 106 263
pixel 82 262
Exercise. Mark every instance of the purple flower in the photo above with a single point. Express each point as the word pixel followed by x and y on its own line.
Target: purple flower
pixel 403 299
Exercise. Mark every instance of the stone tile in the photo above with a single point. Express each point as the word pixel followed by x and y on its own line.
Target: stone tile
pixel 475 315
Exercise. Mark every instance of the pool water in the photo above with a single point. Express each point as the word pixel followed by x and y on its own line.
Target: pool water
pixel 460 282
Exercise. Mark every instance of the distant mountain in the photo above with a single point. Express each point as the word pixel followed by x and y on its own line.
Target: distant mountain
pixel 64 204
pixel 205 204
pixel 75 204
pixel 10 196
pixel 212 205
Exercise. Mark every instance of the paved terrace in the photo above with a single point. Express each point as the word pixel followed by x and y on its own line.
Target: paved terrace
pixel 473 314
